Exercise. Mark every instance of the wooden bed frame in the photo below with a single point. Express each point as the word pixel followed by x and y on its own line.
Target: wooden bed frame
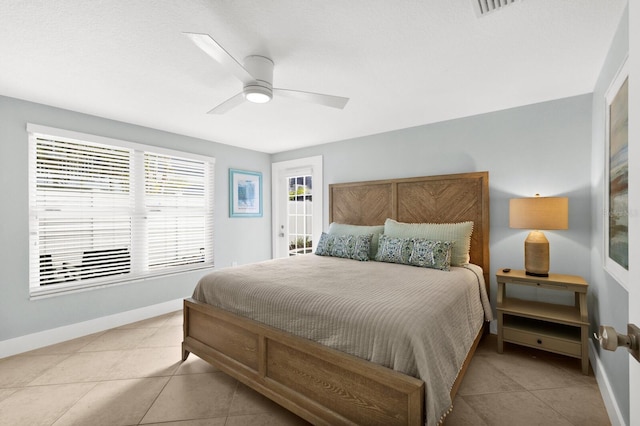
pixel 320 384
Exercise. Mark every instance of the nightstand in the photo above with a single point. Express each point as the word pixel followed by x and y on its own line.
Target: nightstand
pixel 551 327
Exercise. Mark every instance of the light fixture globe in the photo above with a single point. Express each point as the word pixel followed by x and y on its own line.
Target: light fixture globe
pixel 257 94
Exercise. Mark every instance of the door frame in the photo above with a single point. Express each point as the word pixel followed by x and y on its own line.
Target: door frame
pixel 633 287
pixel 279 171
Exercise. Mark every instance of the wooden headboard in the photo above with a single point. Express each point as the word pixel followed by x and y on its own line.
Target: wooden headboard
pixel 434 199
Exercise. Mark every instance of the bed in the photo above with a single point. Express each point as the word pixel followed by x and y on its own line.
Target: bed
pixel 322 384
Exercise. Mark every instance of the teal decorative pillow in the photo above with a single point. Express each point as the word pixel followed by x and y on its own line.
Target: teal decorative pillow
pixel 431 254
pixel 351 246
pixel 344 229
pixel 458 233
pixel 354 247
pixel 324 245
pixel 394 250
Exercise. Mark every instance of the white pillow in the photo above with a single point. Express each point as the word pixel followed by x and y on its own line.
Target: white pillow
pixel 344 229
pixel 458 233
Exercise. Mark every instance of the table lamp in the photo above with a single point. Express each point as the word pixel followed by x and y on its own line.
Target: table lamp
pixel 538 213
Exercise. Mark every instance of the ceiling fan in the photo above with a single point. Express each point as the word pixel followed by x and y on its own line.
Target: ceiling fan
pixel 256 76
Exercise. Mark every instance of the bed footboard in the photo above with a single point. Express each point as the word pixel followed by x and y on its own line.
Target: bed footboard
pixel 320 384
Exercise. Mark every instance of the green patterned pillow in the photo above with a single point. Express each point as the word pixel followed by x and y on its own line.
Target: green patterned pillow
pixel 354 247
pixel 394 250
pixel 460 233
pixel 431 254
pixel 344 229
pixel 324 245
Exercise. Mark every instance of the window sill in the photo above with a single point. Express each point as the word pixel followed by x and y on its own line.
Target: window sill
pixel 54 290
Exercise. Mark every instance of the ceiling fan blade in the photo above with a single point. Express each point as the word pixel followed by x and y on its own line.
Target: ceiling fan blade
pixel 217 52
pixel 229 104
pixel 316 98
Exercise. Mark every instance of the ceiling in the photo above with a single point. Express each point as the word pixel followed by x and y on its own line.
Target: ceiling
pixel 402 63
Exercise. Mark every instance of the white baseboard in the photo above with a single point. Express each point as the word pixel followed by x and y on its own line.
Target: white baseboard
pixel 57 335
pixel 613 410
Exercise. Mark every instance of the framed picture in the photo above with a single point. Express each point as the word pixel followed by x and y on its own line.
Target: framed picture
pixel 616 199
pixel 245 193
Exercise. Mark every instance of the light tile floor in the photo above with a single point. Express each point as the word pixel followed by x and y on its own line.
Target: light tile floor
pixel 525 386
pixel 133 375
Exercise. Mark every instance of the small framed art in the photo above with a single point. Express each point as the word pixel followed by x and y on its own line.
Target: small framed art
pixel 245 193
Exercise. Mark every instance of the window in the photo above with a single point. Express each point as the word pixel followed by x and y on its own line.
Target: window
pixel 104 211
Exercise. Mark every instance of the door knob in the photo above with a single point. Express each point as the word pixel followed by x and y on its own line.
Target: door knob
pixel 610 339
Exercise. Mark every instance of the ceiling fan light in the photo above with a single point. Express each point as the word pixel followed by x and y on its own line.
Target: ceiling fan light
pixel 257 98
pixel 257 94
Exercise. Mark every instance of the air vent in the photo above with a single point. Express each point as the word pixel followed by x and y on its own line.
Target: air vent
pixel 483 7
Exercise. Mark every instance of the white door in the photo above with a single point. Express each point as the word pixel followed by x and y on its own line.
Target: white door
pixel 634 201
pixel 297 190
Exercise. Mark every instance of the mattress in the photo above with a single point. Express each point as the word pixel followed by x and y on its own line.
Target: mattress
pixel 418 321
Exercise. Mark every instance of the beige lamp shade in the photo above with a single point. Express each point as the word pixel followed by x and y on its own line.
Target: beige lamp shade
pixel 538 213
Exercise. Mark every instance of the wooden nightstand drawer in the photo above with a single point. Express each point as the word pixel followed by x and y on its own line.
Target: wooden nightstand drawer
pixel 542 341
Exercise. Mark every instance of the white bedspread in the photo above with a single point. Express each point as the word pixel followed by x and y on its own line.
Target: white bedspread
pixel 418 321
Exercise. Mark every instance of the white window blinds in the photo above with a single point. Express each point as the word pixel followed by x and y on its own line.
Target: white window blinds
pixel 177 204
pixel 105 211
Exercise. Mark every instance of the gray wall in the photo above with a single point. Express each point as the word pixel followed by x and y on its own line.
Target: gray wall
pixel 543 148
pixel 608 300
pixel 244 240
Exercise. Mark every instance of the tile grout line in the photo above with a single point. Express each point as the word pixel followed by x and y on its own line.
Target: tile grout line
pixel 551 408
pixel 155 399
pixel 76 402
pixel 235 392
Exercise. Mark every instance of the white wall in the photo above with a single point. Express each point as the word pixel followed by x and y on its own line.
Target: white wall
pixel 244 240
pixel 608 300
pixel 544 148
